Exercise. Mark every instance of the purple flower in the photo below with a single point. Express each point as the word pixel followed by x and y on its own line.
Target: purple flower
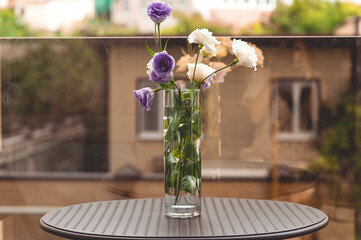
pixel 163 64
pixel 158 11
pixel 155 78
pixel 208 83
pixel 145 97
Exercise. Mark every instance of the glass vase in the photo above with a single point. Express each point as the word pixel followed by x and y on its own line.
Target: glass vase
pixel 182 152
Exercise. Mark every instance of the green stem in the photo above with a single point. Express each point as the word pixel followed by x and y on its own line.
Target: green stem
pixel 179 166
pixel 160 39
pixel 174 84
pixel 232 63
pixel 179 172
pixel 155 34
pixel 179 92
pixel 195 64
pixel 177 189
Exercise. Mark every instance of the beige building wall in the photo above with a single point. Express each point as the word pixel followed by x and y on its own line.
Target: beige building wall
pixel 127 64
pixel 133 13
pixel 55 15
pixel 350 27
pixel 238 127
pixel 247 132
pixel 4 3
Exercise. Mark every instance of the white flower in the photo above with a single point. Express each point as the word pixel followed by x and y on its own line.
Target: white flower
pixel 150 67
pixel 245 54
pixel 204 37
pixel 206 54
pixel 202 71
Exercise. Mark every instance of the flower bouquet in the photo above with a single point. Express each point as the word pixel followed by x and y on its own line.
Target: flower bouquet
pixel 182 107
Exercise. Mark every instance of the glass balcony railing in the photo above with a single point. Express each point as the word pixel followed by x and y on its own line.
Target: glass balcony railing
pixel 73 132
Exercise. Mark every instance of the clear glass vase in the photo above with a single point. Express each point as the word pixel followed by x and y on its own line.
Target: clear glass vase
pixel 182 152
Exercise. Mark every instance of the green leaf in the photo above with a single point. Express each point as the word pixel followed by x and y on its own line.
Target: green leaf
pixel 189 152
pixel 189 184
pixel 172 180
pixel 149 50
pixel 165 85
pixel 196 126
pixel 171 159
pixel 176 153
pixel 177 99
pixel 167 149
pixel 183 128
pixel 186 95
pixel 166 120
pixel 196 114
pixel 176 121
pixel 178 136
pixel 171 133
pixel 165 46
pixel 192 169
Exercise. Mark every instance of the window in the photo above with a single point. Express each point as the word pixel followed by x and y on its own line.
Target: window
pixel 150 125
pixel 182 5
pixel 125 6
pixel 295 108
pixel 144 3
pixel 168 1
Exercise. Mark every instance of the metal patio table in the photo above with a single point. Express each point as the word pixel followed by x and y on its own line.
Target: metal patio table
pixel 222 218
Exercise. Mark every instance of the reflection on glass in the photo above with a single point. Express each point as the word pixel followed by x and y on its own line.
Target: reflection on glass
pixel 285 107
pixel 149 122
pixel 153 117
pixel 53 104
pixel 68 113
pixel 297 108
pixel 306 107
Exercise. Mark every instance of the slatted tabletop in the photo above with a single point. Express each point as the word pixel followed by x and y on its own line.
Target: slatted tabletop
pixel 222 218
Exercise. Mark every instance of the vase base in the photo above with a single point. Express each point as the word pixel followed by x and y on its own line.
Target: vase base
pixel 182 211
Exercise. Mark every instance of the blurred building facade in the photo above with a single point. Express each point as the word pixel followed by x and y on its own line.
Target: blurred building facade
pixel 133 13
pixel 351 27
pixel 268 115
pixel 4 3
pixel 235 13
pixel 52 15
pixel 271 115
pixel 64 15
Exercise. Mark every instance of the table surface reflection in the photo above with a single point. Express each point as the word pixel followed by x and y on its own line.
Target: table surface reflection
pixel 256 181
pixel 221 218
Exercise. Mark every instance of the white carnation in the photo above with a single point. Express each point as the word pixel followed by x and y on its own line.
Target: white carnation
pixel 204 37
pixel 202 71
pixel 205 53
pixel 150 67
pixel 245 54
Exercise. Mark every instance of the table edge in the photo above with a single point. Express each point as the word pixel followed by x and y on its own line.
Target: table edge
pixel 267 236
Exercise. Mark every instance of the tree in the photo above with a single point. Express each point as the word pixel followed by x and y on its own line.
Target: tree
pixel 52 78
pixel 338 145
pixel 101 27
pixel 11 25
pixel 306 17
pixel 49 81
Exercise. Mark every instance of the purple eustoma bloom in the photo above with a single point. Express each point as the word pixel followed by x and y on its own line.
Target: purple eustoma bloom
pixel 158 79
pixel 208 83
pixel 163 64
pixel 158 11
pixel 145 97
